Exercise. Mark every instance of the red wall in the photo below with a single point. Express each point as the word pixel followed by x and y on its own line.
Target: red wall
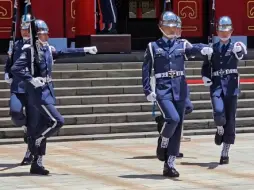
pixel 50 11
pixel 191 13
pixel 248 19
pixel 5 18
pixel 70 18
pixel 235 12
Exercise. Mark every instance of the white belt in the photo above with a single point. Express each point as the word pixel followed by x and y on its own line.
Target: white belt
pixel 47 79
pixel 225 72
pixel 170 74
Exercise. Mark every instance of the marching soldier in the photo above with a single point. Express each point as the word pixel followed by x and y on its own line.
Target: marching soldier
pixel 18 100
pixel 188 105
pixel 109 14
pixel 39 87
pixel 164 59
pixel 221 74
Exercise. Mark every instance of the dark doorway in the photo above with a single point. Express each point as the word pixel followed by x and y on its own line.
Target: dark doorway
pixel 140 19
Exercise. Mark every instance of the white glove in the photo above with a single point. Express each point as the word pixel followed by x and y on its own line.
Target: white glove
pixel 37 82
pixel 7 79
pixel 91 50
pixel 207 51
pixel 237 48
pixel 207 81
pixel 53 49
pixel 151 97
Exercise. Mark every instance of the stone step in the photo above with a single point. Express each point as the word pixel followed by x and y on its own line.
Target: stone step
pixel 106 81
pixel 123 98
pixel 121 65
pixel 70 74
pixel 195 127
pixel 126 107
pixel 191 133
pixel 107 90
pixel 130 117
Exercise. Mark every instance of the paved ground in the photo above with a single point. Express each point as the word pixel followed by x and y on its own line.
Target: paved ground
pixel 130 164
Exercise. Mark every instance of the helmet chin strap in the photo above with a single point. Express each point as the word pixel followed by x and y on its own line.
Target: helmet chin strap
pixel 43 43
pixel 166 35
pixel 225 39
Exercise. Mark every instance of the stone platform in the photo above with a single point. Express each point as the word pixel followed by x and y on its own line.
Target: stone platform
pixel 130 165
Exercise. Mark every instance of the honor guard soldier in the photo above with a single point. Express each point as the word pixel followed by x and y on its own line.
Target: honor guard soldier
pixel 164 62
pixel 188 105
pixel 221 74
pixel 39 87
pixel 18 99
pixel 109 14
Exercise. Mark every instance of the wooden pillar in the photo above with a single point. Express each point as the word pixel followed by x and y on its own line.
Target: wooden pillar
pixel 84 22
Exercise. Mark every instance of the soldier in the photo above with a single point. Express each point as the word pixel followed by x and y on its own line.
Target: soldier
pixel 18 100
pixel 108 9
pixel 221 74
pixel 165 60
pixel 40 90
pixel 188 105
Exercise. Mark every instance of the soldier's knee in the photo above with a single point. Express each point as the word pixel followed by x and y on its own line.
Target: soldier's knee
pixel 174 120
pixel 219 118
pixel 60 122
pixel 18 119
pixel 188 110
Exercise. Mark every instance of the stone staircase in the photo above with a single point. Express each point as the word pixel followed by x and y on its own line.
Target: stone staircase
pixel 105 100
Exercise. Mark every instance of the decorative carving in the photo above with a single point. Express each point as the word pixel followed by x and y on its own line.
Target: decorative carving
pixel 73 12
pixel 250 13
pixel 5 29
pixel 188 10
pixel 6 9
pixel 189 28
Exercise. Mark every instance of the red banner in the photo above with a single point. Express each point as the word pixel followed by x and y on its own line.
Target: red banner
pixel 6 8
pixel 248 18
pixel 70 18
pixel 51 11
pixel 191 14
pixel 236 12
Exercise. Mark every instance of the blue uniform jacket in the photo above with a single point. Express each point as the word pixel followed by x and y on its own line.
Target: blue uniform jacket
pixel 24 69
pixel 221 61
pixel 17 85
pixel 166 59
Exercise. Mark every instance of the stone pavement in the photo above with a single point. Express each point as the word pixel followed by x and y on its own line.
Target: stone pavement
pixel 130 164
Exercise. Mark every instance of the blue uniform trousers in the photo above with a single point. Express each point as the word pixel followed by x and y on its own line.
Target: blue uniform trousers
pixel 108 9
pixel 188 106
pixel 34 124
pixel 17 103
pixel 53 120
pixel 173 113
pixel 224 112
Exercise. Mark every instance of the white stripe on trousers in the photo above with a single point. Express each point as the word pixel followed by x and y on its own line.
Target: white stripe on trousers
pixel 38 141
pixel 113 11
pixel 52 118
pixel 163 114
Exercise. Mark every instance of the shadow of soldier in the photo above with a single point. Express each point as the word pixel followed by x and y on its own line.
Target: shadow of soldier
pixel 149 176
pixel 209 165
pixel 8 166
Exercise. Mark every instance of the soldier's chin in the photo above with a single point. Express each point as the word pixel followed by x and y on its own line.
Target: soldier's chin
pixel 224 39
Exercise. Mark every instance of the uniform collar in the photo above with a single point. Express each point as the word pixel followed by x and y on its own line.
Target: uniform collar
pixel 166 39
pixel 221 44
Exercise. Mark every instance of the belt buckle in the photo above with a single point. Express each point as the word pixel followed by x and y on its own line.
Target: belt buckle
pixel 171 74
pixel 221 72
